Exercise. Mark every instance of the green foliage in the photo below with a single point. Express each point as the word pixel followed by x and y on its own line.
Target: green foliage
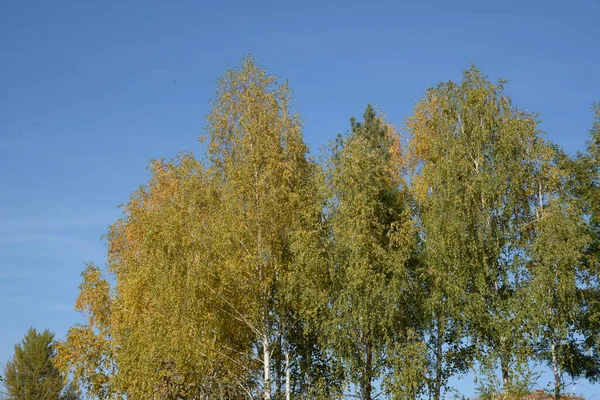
pixel 490 387
pixel 202 259
pixel 266 180
pixel 255 272
pixel 585 187
pixel 588 186
pixel 481 176
pixel 31 373
pixel 372 245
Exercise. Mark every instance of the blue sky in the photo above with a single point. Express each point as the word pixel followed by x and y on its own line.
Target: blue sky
pixel 91 90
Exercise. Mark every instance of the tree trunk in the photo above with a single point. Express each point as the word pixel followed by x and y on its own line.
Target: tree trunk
pixel 556 370
pixel 278 368
pixel 288 377
pixel 267 368
pixel 505 374
pixel 367 388
pixel 437 391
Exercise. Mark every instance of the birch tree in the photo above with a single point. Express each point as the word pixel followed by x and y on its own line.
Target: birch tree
pixel 476 157
pixel 589 189
pixel 202 260
pixel 583 185
pixel 163 329
pixel 259 157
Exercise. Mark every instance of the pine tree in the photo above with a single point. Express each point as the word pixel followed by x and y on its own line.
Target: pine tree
pixel 372 236
pixel 31 374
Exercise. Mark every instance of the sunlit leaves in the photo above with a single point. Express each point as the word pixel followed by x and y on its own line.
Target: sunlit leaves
pixel 254 271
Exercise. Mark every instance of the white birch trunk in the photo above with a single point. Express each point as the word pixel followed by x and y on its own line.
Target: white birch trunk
pixel 288 379
pixel 267 368
pixel 556 370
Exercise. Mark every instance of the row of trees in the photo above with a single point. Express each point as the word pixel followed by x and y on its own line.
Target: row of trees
pixel 254 271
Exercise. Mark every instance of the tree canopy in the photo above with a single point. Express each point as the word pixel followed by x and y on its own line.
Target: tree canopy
pixel 254 271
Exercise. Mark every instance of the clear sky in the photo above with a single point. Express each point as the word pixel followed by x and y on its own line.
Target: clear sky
pixel 91 90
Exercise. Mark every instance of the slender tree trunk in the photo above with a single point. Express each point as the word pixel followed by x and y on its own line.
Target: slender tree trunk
pixel 288 375
pixel 278 368
pixel 267 367
pixel 556 370
pixel 367 388
pixel 505 373
pixel 437 391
